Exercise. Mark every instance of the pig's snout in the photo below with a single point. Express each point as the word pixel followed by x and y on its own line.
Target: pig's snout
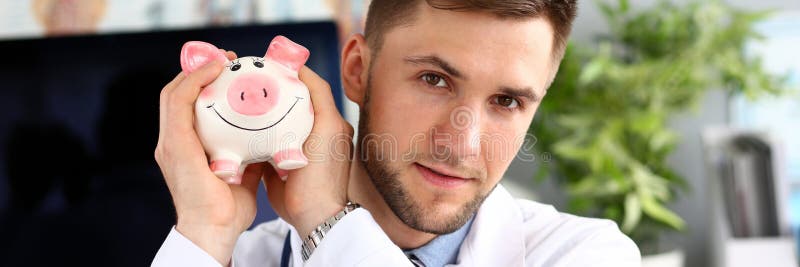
pixel 252 94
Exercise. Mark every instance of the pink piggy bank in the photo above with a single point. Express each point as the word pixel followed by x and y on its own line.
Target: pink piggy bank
pixel 256 110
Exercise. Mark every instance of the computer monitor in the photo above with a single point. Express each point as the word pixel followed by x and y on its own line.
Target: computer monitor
pixel 78 128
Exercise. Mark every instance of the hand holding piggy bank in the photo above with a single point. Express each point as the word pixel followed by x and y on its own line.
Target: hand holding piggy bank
pixel 256 110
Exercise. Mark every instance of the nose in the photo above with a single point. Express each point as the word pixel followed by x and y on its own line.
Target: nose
pixel 460 137
pixel 252 94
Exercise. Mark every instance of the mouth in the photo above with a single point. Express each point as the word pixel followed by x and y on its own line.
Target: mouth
pixel 438 178
pixel 297 98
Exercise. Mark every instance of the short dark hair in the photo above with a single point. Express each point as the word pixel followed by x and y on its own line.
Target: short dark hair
pixel 384 15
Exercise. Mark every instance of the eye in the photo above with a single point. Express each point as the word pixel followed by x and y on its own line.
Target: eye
pixel 506 101
pixel 434 80
pixel 259 63
pixel 235 65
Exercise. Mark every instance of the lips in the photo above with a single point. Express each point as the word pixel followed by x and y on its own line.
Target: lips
pixel 439 179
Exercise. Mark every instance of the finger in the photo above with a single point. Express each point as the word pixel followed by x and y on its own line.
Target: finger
pixel 275 189
pixel 231 55
pixel 186 92
pixel 180 105
pixel 228 54
pixel 246 192
pixel 181 149
pixel 170 86
pixel 177 138
pixel 252 176
pixel 175 81
pixel 320 90
pixel 162 116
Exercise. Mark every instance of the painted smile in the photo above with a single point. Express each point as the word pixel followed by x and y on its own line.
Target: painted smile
pixel 297 98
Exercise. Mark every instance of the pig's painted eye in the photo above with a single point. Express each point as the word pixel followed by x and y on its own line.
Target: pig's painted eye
pixel 265 91
pixel 259 63
pixel 235 65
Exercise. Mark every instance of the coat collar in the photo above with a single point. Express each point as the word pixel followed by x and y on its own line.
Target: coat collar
pixel 496 236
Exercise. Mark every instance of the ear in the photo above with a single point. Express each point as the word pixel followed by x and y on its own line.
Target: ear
pixel 287 53
pixel 195 54
pixel 355 65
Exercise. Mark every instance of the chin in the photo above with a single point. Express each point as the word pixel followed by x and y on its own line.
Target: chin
pixel 439 213
pixel 421 205
pixel 441 219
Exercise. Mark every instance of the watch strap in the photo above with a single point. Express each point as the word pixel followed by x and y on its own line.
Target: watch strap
pixel 315 237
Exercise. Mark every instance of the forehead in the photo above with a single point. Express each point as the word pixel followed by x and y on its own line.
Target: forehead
pixel 509 50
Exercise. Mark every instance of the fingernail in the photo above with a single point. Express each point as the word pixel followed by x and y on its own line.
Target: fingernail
pixel 236 179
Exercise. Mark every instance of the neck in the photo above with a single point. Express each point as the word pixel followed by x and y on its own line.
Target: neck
pixel 361 190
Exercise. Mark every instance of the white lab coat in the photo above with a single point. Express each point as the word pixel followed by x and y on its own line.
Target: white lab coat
pixel 505 232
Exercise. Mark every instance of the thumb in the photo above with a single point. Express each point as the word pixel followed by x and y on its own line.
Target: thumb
pixel 276 189
pixel 252 176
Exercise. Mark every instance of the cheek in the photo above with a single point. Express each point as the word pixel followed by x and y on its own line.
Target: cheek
pixel 499 148
pixel 406 121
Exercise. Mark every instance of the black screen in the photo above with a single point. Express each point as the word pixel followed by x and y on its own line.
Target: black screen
pixel 79 123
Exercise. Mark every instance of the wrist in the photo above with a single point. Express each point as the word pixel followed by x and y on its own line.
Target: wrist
pixel 316 235
pixel 308 222
pixel 217 241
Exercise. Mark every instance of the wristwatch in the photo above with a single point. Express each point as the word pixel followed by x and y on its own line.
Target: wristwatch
pixel 312 241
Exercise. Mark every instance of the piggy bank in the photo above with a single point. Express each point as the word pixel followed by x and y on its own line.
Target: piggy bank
pixel 256 110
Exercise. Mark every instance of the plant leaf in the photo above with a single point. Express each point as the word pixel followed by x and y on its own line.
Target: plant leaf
pixel 662 140
pixel 591 72
pixel 607 10
pixel 633 212
pixel 623 6
pixel 652 208
pixel 569 149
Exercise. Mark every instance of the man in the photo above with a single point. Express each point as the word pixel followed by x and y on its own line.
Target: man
pixel 446 90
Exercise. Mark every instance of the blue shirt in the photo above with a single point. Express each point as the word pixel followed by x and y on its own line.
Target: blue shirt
pixel 443 249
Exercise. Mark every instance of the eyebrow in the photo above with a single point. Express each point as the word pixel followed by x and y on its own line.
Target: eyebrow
pixel 435 61
pixel 526 92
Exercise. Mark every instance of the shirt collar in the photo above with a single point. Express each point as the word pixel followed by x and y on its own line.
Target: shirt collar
pixel 443 249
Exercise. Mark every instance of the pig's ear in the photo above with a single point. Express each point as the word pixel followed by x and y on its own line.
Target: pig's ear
pixel 195 54
pixel 287 53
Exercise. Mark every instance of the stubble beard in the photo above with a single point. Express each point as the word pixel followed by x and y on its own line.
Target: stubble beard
pixel 420 217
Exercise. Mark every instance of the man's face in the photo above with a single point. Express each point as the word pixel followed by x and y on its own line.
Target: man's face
pixel 449 100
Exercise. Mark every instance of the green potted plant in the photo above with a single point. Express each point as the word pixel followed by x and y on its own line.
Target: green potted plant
pixel 605 117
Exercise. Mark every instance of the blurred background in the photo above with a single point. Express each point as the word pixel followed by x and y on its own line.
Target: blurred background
pixel 676 119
